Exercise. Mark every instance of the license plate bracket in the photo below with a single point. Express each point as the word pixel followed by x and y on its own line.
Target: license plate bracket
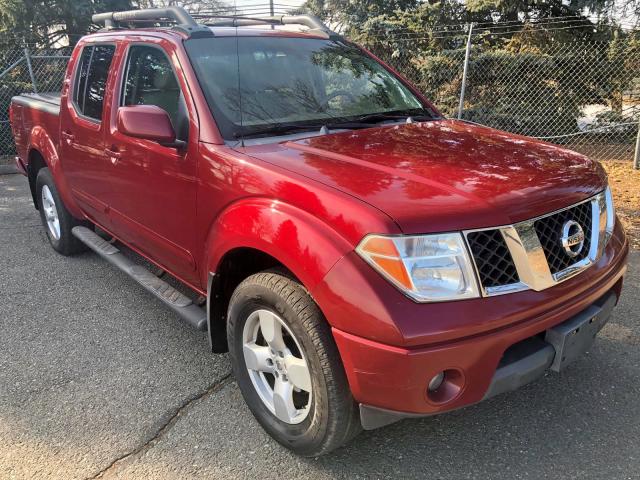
pixel 572 338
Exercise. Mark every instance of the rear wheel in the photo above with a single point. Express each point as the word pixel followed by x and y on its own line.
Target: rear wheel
pixel 288 367
pixel 56 219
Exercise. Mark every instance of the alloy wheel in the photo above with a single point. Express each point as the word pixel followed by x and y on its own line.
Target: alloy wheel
pixel 50 213
pixel 277 366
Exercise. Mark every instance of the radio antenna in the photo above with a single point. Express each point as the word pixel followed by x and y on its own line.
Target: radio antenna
pixel 235 13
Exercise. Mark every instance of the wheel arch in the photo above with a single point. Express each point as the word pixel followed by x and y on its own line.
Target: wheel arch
pixel 43 152
pixel 235 266
pixel 35 163
pixel 261 234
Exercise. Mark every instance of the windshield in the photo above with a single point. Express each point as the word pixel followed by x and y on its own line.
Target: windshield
pixel 297 82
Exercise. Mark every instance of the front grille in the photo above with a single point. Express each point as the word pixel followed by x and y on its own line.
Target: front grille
pixel 549 230
pixel 492 257
pixel 496 263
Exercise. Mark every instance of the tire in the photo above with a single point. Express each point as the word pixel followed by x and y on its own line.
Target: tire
pixel 56 219
pixel 327 417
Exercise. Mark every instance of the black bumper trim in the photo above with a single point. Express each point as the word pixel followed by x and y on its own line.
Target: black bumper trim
pixel 524 369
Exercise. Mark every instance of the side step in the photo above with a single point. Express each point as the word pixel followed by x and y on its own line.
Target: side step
pixel 178 302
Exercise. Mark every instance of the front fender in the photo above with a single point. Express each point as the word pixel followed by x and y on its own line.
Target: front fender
pixel 300 241
pixel 41 142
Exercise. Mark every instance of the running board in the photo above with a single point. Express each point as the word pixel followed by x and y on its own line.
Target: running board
pixel 178 302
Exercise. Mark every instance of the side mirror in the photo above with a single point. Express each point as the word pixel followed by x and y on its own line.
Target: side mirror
pixel 149 122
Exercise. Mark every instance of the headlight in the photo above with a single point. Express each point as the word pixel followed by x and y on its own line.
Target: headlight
pixel 428 268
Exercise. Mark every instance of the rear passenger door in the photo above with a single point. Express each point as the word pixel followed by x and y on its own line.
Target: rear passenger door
pixel 153 200
pixel 82 149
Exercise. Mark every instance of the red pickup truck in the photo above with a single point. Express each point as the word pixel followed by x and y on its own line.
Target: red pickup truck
pixel 363 258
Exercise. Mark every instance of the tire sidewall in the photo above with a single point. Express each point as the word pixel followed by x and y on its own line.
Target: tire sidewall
pixel 307 434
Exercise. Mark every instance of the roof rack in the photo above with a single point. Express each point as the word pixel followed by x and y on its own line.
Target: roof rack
pixel 314 24
pixel 178 15
pixel 186 23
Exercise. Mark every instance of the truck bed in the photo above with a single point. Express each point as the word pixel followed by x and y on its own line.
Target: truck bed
pixel 30 110
pixel 47 101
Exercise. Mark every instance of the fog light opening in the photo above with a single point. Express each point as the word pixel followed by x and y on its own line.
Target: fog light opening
pixel 436 382
pixel 445 386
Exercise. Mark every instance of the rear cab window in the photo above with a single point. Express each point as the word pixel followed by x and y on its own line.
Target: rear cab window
pixel 91 80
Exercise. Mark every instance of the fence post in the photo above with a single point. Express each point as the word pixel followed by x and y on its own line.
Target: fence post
pixel 27 57
pixel 272 13
pixel 464 72
pixel 636 158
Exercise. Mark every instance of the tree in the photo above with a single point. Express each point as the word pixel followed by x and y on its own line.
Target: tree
pixel 44 22
pixel 354 17
pixel 348 14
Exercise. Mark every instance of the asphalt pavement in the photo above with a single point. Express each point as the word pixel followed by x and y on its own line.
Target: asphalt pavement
pixel 99 380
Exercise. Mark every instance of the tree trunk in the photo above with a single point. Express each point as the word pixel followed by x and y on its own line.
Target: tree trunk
pixel 616 102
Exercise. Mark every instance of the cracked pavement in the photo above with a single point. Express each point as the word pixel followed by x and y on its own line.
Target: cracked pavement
pixel 99 380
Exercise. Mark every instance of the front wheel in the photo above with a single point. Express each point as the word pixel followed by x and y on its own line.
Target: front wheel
pixel 287 365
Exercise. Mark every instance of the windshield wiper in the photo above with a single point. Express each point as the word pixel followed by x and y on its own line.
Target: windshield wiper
pixel 370 120
pixel 346 123
pixel 285 128
pixel 381 117
pixel 278 129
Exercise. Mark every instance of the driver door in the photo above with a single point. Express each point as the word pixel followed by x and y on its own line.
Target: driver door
pixel 153 199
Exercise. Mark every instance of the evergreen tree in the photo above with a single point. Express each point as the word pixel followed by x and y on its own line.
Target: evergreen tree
pixel 46 22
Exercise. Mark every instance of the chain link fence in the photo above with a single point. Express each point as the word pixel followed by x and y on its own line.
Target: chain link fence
pixel 582 95
pixel 27 70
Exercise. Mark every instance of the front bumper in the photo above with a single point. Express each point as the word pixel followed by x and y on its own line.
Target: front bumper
pixel 391 347
pixel 524 361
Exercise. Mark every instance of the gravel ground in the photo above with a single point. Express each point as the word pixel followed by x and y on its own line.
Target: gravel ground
pixel 98 379
pixel 625 185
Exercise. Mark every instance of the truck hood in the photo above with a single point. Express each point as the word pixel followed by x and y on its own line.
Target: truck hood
pixel 443 175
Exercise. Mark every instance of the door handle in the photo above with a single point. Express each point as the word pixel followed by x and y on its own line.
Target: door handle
pixel 68 137
pixel 113 154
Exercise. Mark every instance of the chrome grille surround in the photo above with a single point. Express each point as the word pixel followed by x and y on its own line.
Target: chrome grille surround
pixel 529 256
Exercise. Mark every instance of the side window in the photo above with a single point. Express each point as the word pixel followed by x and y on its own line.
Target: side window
pixel 81 78
pixel 150 80
pixel 91 81
pixel 97 80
